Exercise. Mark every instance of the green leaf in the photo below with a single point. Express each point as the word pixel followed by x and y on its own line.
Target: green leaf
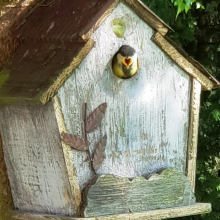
pixel 180 7
pixel 216 114
pixel 188 3
pixel 187 8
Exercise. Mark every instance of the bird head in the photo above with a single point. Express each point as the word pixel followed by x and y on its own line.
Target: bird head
pixel 127 54
pixel 125 63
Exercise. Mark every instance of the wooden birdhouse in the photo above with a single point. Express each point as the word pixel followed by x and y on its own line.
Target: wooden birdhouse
pixel 79 141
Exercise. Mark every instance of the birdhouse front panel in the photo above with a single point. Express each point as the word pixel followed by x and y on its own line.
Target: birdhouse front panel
pixel 144 119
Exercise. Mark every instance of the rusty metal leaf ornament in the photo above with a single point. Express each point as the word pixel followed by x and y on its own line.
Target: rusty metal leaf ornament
pixel 95 119
pixel 74 142
pixel 99 154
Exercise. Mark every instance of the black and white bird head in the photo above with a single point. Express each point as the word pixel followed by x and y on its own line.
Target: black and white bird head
pixel 125 62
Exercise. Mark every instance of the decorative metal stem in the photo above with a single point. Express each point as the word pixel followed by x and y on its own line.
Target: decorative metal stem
pixel 85 134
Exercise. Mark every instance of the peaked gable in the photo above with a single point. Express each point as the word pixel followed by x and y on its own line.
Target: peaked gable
pixel 141 112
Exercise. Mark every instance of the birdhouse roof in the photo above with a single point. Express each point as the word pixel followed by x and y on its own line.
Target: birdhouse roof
pixel 55 37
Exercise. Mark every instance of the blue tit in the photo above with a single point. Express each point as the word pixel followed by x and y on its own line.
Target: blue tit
pixel 125 62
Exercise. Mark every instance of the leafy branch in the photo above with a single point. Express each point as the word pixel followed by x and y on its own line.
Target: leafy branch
pixel 185 5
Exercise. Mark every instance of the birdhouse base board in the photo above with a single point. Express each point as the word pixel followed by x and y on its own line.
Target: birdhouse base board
pixel 110 195
pixel 196 209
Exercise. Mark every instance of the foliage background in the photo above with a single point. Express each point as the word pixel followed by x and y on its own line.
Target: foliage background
pixel 197 31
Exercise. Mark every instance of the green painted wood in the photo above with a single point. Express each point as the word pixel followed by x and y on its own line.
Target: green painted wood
pixel 111 195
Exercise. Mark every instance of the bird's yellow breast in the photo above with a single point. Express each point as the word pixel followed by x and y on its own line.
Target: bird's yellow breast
pixel 118 71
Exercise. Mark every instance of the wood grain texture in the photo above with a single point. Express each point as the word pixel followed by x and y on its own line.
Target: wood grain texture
pixel 34 159
pixel 6 202
pixel 111 195
pixel 193 132
pixel 88 30
pixel 195 63
pixel 147 15
pixel 73 17
pixel 42 68
pixel 197 209
pixel 182 61
pixel 146 120
pixel 52 90
pixel 10 14
pixel 71 170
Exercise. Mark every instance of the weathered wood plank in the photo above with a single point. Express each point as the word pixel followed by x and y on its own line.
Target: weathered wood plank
pixel 193 132
pixel 34 159
pixel 71 170
pixel 147 116
pixel 42 68
pixel 6 202
pixel 37 216
pixel 66 72
pixel 182 61
pixel 197 209
pixel 110 195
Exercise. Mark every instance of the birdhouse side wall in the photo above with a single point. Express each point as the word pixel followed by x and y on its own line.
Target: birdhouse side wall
pixel 34 159
pixel 146 121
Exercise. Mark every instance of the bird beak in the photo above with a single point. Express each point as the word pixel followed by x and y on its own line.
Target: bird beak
pixel 127 62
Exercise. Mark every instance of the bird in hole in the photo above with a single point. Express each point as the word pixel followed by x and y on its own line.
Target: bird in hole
pixel 125 62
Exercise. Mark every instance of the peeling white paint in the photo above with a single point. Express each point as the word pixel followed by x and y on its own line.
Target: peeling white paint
pixel 146 120
pixel 34 159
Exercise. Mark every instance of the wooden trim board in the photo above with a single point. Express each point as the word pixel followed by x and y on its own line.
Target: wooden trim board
pixel 180 60
pixel 75 189
pixel 49 94
pixel 193 132
pixel 99 18
pixel 197 209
